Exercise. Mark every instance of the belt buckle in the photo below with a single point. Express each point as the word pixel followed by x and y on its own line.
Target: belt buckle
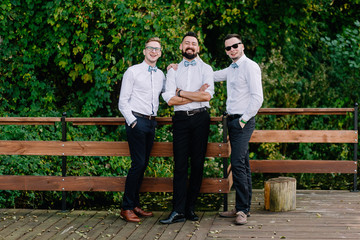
pixel 190 114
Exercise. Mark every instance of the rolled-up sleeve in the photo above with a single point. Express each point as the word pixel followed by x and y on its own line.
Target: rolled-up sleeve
pixel 124 98
pixel 209 79
pixel 256 92
pixel 220 75
pixel 170 86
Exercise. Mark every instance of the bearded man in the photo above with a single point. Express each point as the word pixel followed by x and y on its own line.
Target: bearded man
pixel 189 90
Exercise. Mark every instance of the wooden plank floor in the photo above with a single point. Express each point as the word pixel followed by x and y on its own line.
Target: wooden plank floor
pixel 319 215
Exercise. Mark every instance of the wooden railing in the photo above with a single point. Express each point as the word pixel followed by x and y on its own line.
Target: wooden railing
pixel 65 148
pixel 307 136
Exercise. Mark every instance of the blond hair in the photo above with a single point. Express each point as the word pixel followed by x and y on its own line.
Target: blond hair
pixel 153 39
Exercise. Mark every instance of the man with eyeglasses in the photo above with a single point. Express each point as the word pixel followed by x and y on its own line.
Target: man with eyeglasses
pixel 138 102
pixel 244 99
pixel 189 90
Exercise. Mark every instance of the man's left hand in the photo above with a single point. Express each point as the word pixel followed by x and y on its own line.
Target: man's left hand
pixel 242 125
pixel 204 87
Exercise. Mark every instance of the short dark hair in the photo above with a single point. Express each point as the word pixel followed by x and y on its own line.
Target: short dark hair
pixel 190 34
pixel 232 35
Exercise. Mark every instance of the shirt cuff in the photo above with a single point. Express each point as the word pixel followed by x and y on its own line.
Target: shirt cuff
pixel 130 120
pixel 245 117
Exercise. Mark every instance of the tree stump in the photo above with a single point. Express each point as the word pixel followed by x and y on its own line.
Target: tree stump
pixel 280 194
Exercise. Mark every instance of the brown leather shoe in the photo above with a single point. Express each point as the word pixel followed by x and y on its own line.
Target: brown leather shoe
pixel 241 218
pixel 141 213
pixel 129 216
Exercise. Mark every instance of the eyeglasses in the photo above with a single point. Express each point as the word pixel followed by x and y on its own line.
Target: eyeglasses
pixel 236 45
pixel 151 49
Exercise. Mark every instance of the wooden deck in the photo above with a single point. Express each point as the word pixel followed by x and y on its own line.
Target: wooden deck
pixel 319 215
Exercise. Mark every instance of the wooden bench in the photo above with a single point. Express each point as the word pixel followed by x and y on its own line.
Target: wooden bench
pixel 65 148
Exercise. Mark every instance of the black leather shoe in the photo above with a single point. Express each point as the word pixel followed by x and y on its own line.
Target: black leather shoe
pixel 173 218
pixel 192 216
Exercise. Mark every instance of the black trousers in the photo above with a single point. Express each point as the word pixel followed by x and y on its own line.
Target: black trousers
pixel 140 139
pixel 240 165
pixel 190 138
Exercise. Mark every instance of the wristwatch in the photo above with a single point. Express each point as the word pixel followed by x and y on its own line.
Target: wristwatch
pixel 242 120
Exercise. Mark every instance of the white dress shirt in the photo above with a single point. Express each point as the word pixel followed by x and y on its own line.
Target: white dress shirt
pixel 189 78
pixel 244 88
pixel 140 90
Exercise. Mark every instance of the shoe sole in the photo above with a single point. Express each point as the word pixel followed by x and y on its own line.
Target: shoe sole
pixel 180 220
pixel 232 216
pixel 240 223
pixel 131 221
pixel 227 216
pixel 175 221
pixel 128 220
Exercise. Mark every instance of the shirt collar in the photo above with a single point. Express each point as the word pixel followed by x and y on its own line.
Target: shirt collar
pixel 145 65
pixel 238 62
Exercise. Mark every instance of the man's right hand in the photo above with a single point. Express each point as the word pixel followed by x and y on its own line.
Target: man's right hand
pixel 172 65
pixel 133 124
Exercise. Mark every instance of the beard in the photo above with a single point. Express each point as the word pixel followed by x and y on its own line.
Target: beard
pixel 189 56
pixel 235 59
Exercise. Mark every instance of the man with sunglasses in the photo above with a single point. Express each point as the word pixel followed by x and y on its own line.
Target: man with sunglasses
pixel 244 99
pixel 138 103
pixel 189 90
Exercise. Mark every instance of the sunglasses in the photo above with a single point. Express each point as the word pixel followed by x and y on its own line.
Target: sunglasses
pixel 236 45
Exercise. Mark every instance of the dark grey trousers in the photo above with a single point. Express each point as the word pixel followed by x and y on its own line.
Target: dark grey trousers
pixel 240 165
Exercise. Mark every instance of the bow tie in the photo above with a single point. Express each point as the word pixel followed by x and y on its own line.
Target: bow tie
pixel 152 68
pixel 187 63
pixel 234 65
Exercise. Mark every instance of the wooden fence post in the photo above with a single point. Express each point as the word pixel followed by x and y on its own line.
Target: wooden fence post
pixel 356 112
pixel 64 160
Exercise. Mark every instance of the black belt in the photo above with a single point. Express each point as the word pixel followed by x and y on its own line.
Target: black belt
pixel 191 112
pixel 233 116
pixel 136 114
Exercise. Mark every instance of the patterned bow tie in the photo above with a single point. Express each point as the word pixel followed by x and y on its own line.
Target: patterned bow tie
pixel 234 65
pixel 152 69
pixel 187 63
